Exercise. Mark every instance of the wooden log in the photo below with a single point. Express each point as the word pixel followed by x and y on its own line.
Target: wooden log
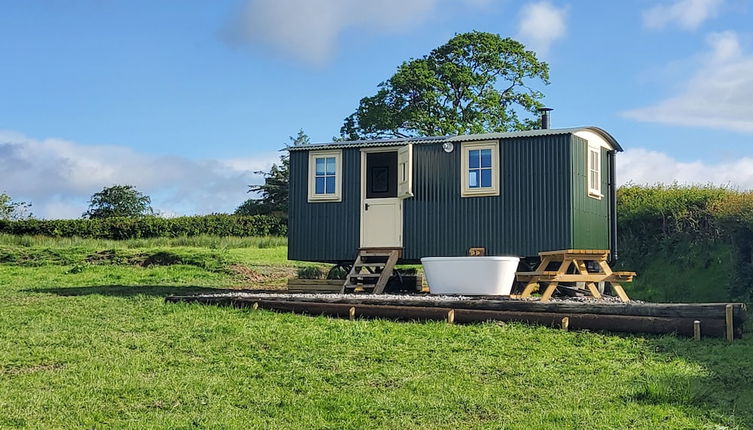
pixel 698 311
pixel 616 323
pixel 399 313
pixel 729 323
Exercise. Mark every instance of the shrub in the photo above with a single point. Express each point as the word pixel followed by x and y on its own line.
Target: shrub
pixel 669 209
pixel 337 273
pixel 310 272
pixel 149 227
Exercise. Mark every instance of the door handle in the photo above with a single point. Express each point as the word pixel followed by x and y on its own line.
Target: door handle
pixel 366 207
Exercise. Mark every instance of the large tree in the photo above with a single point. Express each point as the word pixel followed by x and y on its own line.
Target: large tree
pixel 12 210
pixel 273 193
pixel 119 201
pixel 477 82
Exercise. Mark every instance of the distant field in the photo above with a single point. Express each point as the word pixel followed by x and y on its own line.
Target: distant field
pixel 86 341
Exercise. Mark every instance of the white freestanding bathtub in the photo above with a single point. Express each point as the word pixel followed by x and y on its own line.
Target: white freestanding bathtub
pixel 470 275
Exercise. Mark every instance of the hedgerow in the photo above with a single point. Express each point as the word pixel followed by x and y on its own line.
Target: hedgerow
pixel 149 227
pixel 687 243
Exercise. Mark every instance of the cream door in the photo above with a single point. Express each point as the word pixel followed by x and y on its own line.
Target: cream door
pixel 381 206
pixel 382 223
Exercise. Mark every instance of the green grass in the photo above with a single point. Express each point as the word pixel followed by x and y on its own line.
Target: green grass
pixel 99 348
pixel 684 273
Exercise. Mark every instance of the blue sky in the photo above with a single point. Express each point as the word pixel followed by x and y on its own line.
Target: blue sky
pixel 185 99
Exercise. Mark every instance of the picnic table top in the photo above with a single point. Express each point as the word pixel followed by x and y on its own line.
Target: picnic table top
pixel 576 252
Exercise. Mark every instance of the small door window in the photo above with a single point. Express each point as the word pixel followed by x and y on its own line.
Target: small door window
pixel 405 171
pixel 381 175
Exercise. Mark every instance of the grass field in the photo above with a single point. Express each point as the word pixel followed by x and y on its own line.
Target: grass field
pixel 86 341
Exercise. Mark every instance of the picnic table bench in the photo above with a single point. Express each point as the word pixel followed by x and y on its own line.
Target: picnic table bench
pixel 579 259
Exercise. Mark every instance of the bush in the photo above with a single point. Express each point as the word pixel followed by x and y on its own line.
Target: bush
pixel 149 227
pixel 687 243
pixel 661 210
pixel 310 272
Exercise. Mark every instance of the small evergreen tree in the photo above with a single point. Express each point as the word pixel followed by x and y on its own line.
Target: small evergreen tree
pixel 274 191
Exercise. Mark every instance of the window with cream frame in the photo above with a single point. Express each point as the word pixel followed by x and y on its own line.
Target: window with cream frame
pixel 479 169
pixel 325 176
pixel 594 171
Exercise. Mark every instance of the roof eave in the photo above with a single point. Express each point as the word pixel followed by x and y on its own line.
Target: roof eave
pixel 459 138
pixel 608 137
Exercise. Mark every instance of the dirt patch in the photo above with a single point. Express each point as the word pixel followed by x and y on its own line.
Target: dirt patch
pixel 112 256
pixel 162 259
pixel 215 262
pixel 247 274
pixel 21 370
pixel 261 276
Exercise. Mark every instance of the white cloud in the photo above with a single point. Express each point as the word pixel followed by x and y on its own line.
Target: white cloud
pixel 643 166
pixel 59 176
pixel 309 30
pixel 718 95
pixel 686 14
pixel 541 24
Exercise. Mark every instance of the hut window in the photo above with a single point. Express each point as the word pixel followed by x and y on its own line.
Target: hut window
pixel 325 176
pixel 480 169
pixel 594 172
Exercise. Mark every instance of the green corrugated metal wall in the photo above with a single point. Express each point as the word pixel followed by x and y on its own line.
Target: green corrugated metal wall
pixel 530 215
pixel 324 231
pixel 543 205
pixel 590 216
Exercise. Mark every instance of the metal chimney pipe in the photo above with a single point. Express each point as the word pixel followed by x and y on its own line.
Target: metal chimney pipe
pixel 544 111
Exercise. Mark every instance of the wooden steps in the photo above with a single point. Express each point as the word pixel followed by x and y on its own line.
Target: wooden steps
pixel 314 285
pixel 372 270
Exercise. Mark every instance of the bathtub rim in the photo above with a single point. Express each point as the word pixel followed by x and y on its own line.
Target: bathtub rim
pixel 469 258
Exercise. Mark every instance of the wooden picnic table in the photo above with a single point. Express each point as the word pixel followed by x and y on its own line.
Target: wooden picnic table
pixel 577 258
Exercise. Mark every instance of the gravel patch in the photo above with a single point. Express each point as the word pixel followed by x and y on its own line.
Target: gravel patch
pixel 397 297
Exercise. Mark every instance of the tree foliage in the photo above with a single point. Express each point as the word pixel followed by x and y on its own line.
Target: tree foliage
pixel 274 191
pixel 12 210
pixel 477 82
pixel 119 201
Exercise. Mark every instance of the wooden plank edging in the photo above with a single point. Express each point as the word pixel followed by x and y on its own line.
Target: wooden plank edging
pixel 662 310
pixel 712 327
